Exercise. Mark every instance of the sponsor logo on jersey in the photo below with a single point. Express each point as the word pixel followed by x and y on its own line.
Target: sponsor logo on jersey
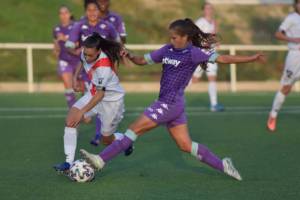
pixel 102 26
pixel 170 61
pixel 112 19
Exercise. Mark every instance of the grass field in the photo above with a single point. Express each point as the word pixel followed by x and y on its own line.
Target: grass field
pixel 31 142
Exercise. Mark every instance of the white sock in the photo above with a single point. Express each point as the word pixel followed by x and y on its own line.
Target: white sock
pixel 212 91
pixel 118 136
pixel 277 103
pixel 70 143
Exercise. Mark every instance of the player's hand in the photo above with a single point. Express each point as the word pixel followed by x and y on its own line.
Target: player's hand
pixel 76 85
pixel 260 58
pixel 76 117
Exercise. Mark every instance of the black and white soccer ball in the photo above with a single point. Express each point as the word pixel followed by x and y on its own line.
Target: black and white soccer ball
pixel 81 171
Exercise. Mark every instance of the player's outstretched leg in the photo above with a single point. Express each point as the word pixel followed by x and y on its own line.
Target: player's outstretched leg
pixel 111 151
pixel 206 156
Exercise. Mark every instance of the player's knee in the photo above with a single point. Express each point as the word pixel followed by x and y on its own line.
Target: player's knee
pixel 286 89
pixel 107 140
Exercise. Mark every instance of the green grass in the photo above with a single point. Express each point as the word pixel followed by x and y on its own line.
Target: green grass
pixel 157 169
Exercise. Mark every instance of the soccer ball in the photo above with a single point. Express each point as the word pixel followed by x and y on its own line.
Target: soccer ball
pixel 81 171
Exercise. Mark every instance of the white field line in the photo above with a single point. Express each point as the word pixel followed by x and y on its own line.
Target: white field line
pixel 135 111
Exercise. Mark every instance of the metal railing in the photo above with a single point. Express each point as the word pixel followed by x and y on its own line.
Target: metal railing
pixel 29 47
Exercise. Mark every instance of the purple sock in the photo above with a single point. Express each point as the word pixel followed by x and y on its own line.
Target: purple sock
pixel 70 97
pixel 98 128
pixel 209 158
pixel 115 148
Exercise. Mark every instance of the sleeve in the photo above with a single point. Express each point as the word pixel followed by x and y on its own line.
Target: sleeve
pixel 200 56
pixel 121 27
pixel 286 24
pixel 156 56
pixel 114 35
pixel 74 36
pixel 101 77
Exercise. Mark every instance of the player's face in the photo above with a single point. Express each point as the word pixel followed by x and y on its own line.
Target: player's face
pixel 64 15
pixel 104 5
pixel 177 40
pixel 92 12
pixel 90 54
pixel 208 10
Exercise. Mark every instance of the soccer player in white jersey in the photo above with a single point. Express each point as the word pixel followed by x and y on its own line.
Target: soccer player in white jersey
pixel 105 97
pixel 289 31
pixel 207 24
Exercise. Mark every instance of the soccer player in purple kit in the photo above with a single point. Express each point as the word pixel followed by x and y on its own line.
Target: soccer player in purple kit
pixel 180 59
pixel 113 18
pixel 66 62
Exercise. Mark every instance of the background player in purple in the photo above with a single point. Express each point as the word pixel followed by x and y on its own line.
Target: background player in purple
pixel 84 28
pixel 67 62
pixel 113 18
pixel 180 59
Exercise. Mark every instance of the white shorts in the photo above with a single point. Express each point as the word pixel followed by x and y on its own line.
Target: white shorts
pixel 212 69
pixel 110 112
pixel 291 72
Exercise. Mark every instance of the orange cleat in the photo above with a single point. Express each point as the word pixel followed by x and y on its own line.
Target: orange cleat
pixel 271 125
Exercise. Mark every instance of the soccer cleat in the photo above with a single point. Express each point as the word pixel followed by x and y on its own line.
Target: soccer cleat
pixel 271 125
pixel 93 159
pixel 217 108
pixel 129 150
pixel 230 170
pixel 62 167
pixel 95 142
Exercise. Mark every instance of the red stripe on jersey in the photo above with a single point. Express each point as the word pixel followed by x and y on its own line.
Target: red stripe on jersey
pixel 103 62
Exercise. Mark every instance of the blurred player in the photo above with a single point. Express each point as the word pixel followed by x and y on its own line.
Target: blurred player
pixel 180 59
pixel 113 18
pixel 85 27
pixel 207 24
pixel 105 96
pixel 289 31
pixel 66 62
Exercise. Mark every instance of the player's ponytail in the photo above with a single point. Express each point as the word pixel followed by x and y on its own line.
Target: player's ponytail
pixel 198 38
pixel 110 48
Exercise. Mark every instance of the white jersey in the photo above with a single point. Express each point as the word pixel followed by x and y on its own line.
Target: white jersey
pixel 291 26
pixel 205 25
pixel 102 74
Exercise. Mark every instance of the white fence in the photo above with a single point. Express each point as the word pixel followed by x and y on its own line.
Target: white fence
pixel 29 47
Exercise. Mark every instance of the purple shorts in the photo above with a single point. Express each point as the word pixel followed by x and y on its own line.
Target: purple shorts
pixel 167 114
pixel 65 67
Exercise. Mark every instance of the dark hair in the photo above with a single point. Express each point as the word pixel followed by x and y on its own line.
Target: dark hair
pixel 195 35
pixel 72 18
pixel 110 48
pixel 87 2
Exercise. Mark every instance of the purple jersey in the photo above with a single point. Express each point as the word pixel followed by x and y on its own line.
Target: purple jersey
pixel 82 30
pixel 63 54
pixel 117 21
pixel 178 68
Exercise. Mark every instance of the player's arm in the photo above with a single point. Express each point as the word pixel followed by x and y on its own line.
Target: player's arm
pixel 227 59
pixel 98 96
pixel 56 49
pixel 76 84
pixel 138 60
pixel 281 35
pixel 150 58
